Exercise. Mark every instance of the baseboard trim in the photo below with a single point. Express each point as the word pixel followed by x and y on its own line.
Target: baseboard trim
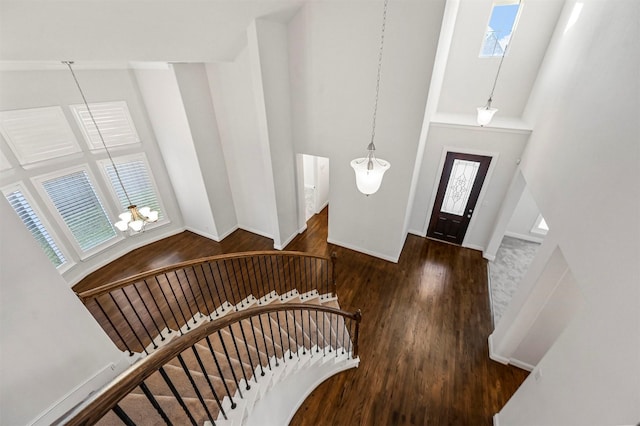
pixel 489 257
pixel 496 420
pixel 494 356
pixel 203 234
pixel 229 232
pixel 417 232
pixel 473 247
pixel 322 207
pixel 524 237
pixel 521 364
pixel 78 394
pixel 255 231
pixel 286 243
pixel 365 251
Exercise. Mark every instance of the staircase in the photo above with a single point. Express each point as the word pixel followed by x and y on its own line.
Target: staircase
pixel 249 363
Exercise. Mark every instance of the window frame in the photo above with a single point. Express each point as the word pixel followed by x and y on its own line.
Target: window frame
pixel 537 229
pixel 96 146
pixel 44 221
pixel 513 27
pixel 38 182
pixel 141 156
pixel 27 160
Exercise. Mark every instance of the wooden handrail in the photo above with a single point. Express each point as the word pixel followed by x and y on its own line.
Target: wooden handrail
pixel 104 400
pixel 106 288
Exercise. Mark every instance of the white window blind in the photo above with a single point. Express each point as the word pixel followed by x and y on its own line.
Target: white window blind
pixel 75 199
pixel 114 122
pixel 137 181
pixel 38 134
pixel 34 225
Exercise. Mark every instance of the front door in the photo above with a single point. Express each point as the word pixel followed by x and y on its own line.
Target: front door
pixel 458 191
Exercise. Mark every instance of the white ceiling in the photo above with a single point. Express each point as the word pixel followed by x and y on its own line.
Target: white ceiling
pixel 108 34
pixel 160 30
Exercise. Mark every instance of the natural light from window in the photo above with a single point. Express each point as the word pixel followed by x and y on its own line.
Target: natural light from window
pixel 540 226
pixel 33 223
pixel 500 28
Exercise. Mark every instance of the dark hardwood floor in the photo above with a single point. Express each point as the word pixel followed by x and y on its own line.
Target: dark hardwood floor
pixel 423 342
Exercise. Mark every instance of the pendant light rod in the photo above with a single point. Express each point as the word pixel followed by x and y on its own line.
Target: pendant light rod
pixel 372 146
pixel 495 81
pixel 86 104
pixel 370 170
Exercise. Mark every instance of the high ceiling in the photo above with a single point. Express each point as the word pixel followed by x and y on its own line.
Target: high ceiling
pixel 117 34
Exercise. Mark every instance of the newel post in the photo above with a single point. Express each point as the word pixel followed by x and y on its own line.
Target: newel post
pixel 356 336
pixel 334 258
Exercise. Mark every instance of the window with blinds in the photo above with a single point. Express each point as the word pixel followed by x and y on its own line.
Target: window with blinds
pixel 113 120
pixel 137 181
pixel 38 134
pixel 76 201
pixel 33 223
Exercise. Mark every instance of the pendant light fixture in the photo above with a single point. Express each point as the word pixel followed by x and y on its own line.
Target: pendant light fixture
pixel 486 112
pixel 135 219
pixel 370 170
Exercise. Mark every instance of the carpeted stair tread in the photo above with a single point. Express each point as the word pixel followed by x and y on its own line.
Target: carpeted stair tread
pixel 254 335
pixel 204 353
pixel 158 386
pixel 140 410
pixel 240 350
pixel 248 354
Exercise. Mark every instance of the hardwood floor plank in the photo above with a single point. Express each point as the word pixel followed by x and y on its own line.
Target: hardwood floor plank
pixel 423 339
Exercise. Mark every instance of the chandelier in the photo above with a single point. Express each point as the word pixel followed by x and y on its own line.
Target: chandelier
pixel 370 170
pixel 134 218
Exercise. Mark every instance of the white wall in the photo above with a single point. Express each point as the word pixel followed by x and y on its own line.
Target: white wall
pixel 322 182
pixel 49 343
pixel 469 78
pixel 334 53
pixel 580 163
pixel 161 95
pixel 30 89
pixel 268 51
pixel 233 98
pixel 310 165
pixel 524 217
pixel 316 175
pixel 196 97
pixel 562 304
pixel 506 145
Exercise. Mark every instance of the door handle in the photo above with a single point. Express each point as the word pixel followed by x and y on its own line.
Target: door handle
pixel 469 216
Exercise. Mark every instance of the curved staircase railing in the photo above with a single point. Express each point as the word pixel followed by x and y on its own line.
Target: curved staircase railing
pixel 140 312
pixel 207 373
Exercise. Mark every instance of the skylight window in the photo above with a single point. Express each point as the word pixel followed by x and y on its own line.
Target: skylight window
pixel 501 25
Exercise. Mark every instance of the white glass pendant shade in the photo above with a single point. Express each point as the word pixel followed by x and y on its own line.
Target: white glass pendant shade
pixel 368 180
pixel 136 225
pixel 122 225
pixel 485 114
